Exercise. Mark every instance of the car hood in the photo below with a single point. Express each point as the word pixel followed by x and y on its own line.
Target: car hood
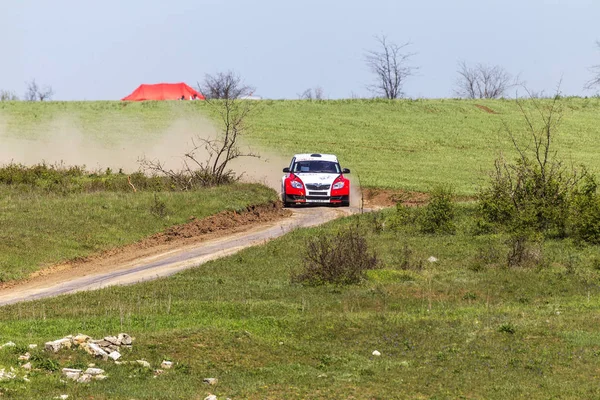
pixel 312 178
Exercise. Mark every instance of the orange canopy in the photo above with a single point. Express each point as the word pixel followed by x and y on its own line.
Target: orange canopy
pixel 164 91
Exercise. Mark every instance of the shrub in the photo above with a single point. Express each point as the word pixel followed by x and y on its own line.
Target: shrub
pixel 585 215
pixel 438 215
pixel 341 259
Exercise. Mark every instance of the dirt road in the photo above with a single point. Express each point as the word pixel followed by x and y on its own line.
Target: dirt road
pixel 167 262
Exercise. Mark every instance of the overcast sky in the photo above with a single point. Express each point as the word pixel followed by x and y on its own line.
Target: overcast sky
pixel 89 50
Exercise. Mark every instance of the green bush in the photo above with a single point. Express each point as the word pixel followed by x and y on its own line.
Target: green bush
pixel 585 214
pixel 342 258
pixel 438 215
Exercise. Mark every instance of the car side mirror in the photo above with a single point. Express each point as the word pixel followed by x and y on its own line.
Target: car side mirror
pixel 346 171
pixel 286 170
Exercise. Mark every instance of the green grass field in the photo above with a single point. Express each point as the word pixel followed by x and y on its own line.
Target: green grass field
pixel 464 327
pixel 404 144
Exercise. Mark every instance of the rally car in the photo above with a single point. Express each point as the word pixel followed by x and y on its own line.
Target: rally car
pixel 313 179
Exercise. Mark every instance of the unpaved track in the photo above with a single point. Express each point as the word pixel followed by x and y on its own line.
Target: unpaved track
pixel 173 261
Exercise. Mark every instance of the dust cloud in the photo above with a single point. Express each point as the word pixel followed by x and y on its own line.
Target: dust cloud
pixel 64 141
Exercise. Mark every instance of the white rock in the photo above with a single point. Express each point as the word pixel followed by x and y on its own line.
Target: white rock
pixel 376 353
pixel 432 259
pixel 72 375
pixel 94 371
pixel 25 357
pixel 62 397
pixel 85 378
pixel 7 375
pixel 26 379
pixel 80 338
pixel 56 345
pixel 33 346
pixel 26 366
pixel 95 350
pixel 125 338
pixel 211 397
pixel 8 344
pixel 115 355
pixel 113 340
pixel 144 363
pixel 166 364
pixel 100 377
pixel 211 381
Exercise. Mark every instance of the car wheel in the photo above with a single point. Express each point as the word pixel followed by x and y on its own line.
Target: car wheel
pixel 286 204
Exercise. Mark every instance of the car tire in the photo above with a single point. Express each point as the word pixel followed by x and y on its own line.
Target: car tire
pixel 286 204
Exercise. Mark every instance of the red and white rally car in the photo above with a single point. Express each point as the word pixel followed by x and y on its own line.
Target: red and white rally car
pixel 315 178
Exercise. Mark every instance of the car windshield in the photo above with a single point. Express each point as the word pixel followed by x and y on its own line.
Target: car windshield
pixel 328 167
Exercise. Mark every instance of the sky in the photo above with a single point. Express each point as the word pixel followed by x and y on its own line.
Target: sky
pixel 102 50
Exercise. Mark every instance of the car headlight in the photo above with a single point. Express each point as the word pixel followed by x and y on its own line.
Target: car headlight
pixel 338 185
pixel 296 185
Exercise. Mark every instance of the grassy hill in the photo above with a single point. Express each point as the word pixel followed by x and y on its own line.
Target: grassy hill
pixel 406 144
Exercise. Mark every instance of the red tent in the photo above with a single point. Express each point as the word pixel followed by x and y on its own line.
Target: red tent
pixel 164 91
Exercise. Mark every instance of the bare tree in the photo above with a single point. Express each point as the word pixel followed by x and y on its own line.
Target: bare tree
pixel 390 65
pixel 7 95
pixel 224 85
pixel 36 93
pixel 312 94
pixel 208 161
pixel 595 70
pixel 482 81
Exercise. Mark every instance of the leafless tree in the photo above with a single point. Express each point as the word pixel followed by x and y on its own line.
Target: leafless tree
pixel 482 81
pixel 595 70
pixel 36 93
pixel 208 161
pixel 7 95
pixel 390 65
pixel 312 94
pixel 224 85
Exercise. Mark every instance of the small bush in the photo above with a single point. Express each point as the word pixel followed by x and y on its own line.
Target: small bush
pixel 158 207
pixel 406 259
pixel 438 215
pixel 342 259
pixel 585 215
pixel 403 216
pixel 522 252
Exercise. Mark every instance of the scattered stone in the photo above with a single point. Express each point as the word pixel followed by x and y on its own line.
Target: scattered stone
pixel 33 346
pixel 211 397
pixel 56 345
pixel 62 397
pixel 71 373
pixel 25 357
pixel 432 259
pixel 85 378
pixel 376 353
pixel 80 339
pixel 115 355
pixel 8 344
pixel 7 375
pixel 96 350
pixel 112 340
pixel 94 371
pixel 211 381
pixel 166 364
pixel 100 377
pixel 144 363
pixel 158 372
pixel 125 338
pixel 26 366
pixel 91 365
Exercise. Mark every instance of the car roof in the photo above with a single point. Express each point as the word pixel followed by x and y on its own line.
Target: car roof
pixel 315 156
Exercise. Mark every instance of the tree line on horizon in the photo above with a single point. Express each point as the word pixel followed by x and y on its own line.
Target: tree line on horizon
pixel 389 63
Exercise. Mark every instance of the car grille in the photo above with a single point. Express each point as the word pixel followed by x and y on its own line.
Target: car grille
pixel 312 186
pixel 317 193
